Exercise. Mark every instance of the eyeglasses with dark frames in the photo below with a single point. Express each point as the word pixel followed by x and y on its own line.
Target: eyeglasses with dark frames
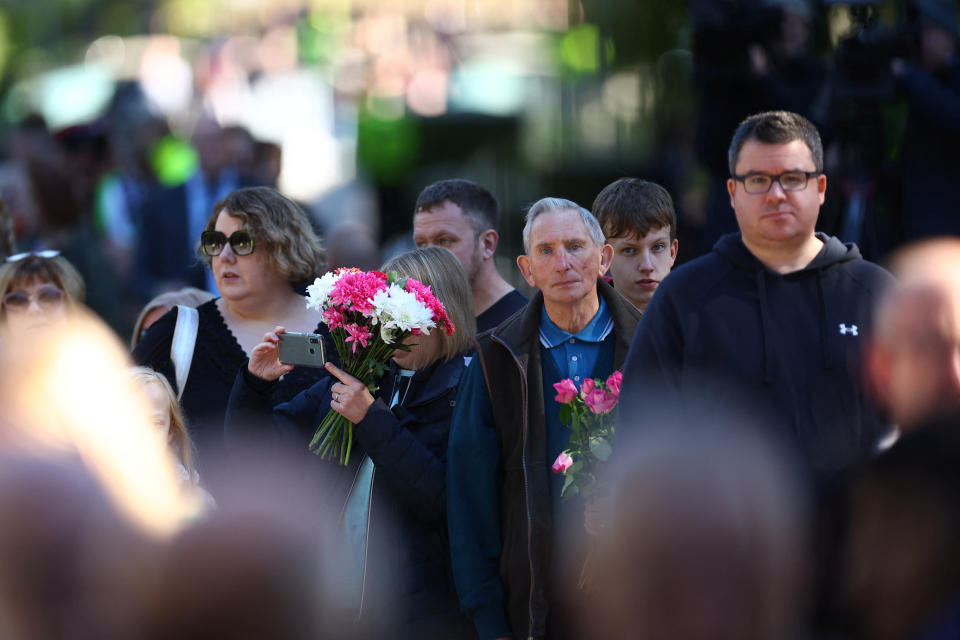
pixel 213 242
pixel 757 183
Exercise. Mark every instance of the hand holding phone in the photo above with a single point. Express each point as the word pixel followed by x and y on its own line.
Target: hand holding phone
pixel 302 349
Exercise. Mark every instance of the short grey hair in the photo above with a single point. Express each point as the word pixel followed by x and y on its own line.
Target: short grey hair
pixel 545 205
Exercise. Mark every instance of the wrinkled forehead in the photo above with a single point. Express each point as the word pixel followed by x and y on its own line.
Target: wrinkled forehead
pixel 551 227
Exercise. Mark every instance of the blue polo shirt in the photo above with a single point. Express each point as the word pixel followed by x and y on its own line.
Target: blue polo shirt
pixel 576 354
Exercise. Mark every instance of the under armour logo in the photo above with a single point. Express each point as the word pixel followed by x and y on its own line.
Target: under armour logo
pixel 852 330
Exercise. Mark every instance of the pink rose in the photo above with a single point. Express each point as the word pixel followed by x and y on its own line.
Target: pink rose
pixel 566 391
pixel 587 387
pixel 562 463
pixel 600 401
pixel 613 382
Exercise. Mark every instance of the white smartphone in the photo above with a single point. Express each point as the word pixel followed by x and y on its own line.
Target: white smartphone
pixel 302 349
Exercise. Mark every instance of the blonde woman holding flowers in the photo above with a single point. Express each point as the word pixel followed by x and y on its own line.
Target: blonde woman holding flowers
pixel 393 548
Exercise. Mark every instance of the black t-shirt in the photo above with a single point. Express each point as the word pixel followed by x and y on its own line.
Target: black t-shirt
pixel 501 310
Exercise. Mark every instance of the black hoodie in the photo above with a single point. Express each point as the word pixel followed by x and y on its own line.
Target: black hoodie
pixel 726 338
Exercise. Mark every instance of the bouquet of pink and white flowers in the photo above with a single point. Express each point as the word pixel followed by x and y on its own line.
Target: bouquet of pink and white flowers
pixel 369 314
pixel 589 411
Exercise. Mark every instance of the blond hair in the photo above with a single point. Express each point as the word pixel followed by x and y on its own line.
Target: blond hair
pixel 280 227
pixel 180 442
pixel 439 269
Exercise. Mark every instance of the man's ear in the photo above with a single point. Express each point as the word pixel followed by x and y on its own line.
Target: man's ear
pixel 488 243
pixel 523 263
pixel 606 257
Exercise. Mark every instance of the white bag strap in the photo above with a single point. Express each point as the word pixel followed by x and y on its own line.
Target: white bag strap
pixel 184 340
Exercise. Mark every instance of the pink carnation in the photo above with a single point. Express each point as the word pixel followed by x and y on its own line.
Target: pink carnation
pixel 354 291
pixel 600 401
pixel 562 463
pixel 424 294
pixel 613 382
pixel 566 391
pixel 358 335
pixel 333 318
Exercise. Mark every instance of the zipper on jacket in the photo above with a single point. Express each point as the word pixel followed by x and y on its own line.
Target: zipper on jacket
pixel 526 485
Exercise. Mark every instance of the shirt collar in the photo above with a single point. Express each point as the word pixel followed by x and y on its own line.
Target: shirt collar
pixel 596 330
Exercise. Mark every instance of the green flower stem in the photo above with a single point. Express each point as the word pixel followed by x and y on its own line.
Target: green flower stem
pixel 334 437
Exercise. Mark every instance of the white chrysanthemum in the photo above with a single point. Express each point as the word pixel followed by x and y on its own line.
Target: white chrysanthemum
pixel 398 310
pixel 319 291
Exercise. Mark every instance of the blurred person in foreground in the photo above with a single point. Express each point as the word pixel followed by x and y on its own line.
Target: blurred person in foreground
pixel 463 216
pixel 39 290
pixel 503 502
pixel 707 539
pixel 260 247
pixel 913 356
pixel 899 574
pixel 640 224
pixel 392 492
pixel 86 495
pixel 159 306
pixel 775 314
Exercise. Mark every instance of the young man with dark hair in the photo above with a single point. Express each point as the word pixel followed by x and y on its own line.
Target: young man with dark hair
pixel 640 224
pixel 771 321
pixel 463 217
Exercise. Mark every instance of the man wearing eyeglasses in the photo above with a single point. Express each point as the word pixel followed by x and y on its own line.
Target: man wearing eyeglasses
pixel 768 326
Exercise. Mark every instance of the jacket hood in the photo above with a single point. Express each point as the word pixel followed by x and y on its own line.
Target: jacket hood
pixel 834 252
pixel 731 247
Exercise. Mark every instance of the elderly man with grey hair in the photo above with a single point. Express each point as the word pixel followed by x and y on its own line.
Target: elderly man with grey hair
pixel 503 503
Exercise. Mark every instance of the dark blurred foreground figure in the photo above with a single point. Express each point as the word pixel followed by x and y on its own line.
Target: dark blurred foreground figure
pixel 901 564
pixel 775 314
pixel 707 541
pixel 913 357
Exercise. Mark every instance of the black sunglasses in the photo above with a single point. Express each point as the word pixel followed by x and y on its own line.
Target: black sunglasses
pixel 213 242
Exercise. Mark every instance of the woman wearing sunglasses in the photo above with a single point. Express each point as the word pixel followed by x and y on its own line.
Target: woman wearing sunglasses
pixel 260 248
pixel 38 289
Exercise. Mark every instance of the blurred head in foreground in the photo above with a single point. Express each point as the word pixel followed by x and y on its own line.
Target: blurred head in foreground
pixel 913 356
pixel 67 392
pixel 707 542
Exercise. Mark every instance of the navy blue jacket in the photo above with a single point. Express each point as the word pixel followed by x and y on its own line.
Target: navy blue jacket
pixel 408 447
pixel 728 338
